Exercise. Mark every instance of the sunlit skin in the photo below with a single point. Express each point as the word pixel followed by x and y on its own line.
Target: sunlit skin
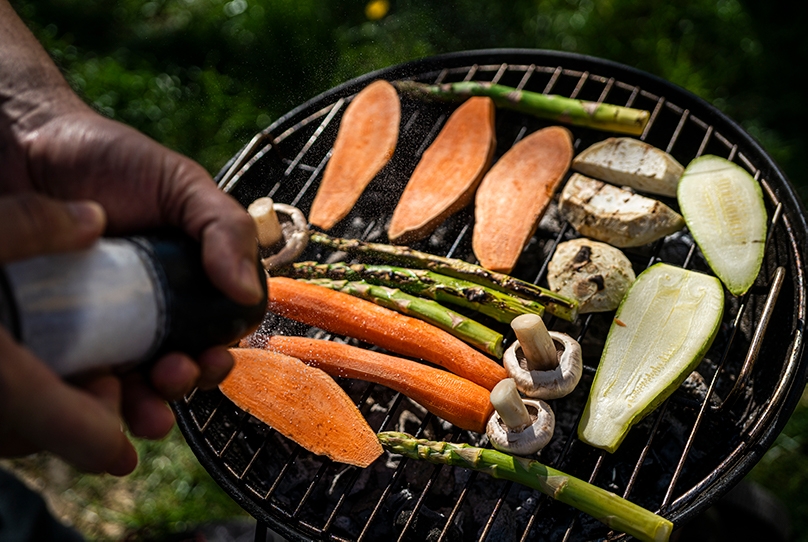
pixel 69 176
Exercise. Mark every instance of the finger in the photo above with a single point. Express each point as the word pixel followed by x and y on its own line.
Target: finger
pixel 215 364
pixel 52 415
pixel 228 236
pixel 39 225
pixel 174 375
pixel 145 412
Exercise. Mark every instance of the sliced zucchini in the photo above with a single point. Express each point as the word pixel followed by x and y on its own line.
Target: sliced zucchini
pixel 724 210
pixel 661 331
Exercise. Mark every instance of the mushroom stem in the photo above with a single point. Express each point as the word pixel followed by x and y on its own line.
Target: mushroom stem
pixel 536 343
pixel 509 406
pixel 266 220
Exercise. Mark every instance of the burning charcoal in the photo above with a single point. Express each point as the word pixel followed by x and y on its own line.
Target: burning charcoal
pixel 504 527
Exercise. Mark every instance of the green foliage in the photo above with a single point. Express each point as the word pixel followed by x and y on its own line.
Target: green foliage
pixel 202 76
pixel 784 470
pixel 168 493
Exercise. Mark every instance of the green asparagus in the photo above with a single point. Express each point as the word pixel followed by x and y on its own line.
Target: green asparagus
pixel 553 303
pixel 500 306
pixel 600 116
pixel 616 512
pixel 462 327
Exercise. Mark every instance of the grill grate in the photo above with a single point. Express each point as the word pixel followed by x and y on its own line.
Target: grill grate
pixel 677 461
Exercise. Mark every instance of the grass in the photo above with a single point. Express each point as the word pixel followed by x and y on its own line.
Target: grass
pixel 783 470
pixel 168 493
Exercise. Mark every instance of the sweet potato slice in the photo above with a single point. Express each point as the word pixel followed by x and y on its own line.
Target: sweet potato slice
pixel 302 403
pixel 448 173
pixel 514 194
pixel 365 142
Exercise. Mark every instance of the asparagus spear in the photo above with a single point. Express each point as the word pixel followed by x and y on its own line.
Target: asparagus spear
pixel 613 510
pixel 498 305
pixel 465 329
pixel 600 116
pixel 553 303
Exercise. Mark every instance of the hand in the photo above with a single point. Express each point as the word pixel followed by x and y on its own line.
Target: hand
pixel 51 143
pixel 81 421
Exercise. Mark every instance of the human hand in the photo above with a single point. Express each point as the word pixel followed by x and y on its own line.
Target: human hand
pixel 51 143
pixel 80 421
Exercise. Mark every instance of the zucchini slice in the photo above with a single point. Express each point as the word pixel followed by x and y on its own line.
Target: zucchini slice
pixel 661 331
pixel 724 210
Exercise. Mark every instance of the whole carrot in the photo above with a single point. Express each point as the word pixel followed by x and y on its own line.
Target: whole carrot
pixel 451 397
pixel 345 314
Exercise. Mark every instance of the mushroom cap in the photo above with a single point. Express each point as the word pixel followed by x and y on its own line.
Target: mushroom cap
pixel 295 236
pixel 529 440
pixel 547 384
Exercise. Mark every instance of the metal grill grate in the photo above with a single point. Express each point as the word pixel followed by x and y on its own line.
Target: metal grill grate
pixel 677 461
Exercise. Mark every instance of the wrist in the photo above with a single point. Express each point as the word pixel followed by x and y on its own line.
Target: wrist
pixel 32 89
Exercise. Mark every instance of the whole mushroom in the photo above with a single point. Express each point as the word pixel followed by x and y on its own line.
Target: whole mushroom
pixel 544 364
pixel 283 232
pixel 518 426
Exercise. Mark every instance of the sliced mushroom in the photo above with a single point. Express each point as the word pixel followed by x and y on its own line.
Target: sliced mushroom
pixel 544 364
pixel 283 232
pixel 517 426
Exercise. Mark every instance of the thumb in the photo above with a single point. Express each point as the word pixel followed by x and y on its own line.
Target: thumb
pixel 37 224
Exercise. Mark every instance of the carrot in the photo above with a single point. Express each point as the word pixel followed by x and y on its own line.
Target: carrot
pixel 514 194
pixel 448 173
pixel 345 314
pixel 365 142
pixel 453 398
pixel 302 403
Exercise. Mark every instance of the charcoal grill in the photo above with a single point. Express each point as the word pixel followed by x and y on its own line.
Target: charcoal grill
pixel 678 461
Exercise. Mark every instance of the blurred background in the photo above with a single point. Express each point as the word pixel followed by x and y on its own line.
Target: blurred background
pixel 203 76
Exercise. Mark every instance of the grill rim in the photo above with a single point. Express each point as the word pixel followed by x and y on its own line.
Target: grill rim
pixel 784 192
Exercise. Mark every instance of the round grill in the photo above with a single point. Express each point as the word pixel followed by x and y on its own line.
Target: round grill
pixel 677 461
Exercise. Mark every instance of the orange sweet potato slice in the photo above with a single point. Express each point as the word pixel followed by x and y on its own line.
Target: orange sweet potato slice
pixel 514 194
pixel 448 173
pixel 302 403
pixel 365 142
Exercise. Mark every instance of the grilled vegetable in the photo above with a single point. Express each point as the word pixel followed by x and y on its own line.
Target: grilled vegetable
pixel 662 329
pixel 595 274
pixel 266 221
pixel 341 313
pixel 610 214
pixel 616 512
pixel 365 142
pixel 543 364
pixel 467 330
pixel 453 398
pixel 554 304
pixel 514 195
pixel 448 173
pixel 515 429
pixel 724 210
pixel 283 232
pixel 600 116
pixel 500 306
pixel 626 161
pixel 302 403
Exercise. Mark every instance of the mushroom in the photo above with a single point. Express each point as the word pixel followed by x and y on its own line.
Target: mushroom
pixel 517 426
pixel 544 364
pixel 283 232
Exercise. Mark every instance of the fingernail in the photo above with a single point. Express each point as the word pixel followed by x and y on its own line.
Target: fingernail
pixel 250 281
pixel 87 214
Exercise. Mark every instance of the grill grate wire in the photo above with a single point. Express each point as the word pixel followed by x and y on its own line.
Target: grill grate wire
pixel 208 419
